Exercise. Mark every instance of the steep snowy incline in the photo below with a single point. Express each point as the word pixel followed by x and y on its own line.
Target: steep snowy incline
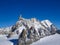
pixel 49 40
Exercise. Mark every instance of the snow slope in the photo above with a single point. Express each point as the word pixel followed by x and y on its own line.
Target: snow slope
pixel 4 41
pixel 49 40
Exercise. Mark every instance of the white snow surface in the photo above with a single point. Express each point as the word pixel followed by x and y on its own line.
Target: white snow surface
pixel 49 40
pixel 13 37
pixel 4 41
pixel 3 37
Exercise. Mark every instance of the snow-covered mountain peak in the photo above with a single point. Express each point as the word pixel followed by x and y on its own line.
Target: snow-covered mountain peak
pixel 47 23
pixel 23 23
pixel 29 29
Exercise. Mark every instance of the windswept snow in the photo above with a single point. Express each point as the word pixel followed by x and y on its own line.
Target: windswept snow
pixel 49 40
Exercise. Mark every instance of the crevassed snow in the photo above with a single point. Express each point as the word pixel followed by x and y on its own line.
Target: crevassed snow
pixel 49 40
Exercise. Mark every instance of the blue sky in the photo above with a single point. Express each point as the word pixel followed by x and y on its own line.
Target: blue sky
pixel 41 9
